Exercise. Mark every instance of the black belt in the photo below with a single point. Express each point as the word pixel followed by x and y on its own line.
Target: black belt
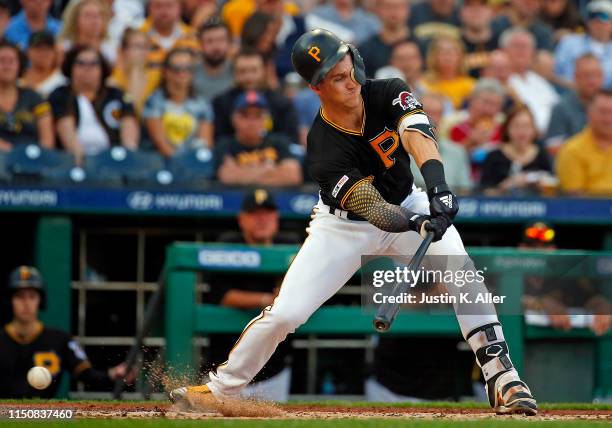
pixel 345 214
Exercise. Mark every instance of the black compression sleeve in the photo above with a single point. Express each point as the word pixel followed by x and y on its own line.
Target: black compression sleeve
pixel 368 203
pixel 433 174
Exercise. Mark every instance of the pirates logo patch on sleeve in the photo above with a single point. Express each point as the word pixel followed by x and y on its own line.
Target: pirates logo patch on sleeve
pixel 406 101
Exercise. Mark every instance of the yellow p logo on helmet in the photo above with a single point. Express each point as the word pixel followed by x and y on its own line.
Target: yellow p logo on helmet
pixel 260 196
pixel 314 52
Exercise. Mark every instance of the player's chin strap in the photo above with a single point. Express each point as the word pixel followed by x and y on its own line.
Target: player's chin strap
pixel 491 350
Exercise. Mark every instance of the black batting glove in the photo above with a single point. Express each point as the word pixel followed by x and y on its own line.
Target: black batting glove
pixel 443 203
pixel 438 226
pixel 425 223
pixel 416 223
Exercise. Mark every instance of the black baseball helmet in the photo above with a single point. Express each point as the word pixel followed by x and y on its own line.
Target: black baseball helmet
pixel 318 51
pixel 27 277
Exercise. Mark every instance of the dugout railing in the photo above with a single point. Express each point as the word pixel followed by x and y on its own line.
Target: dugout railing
pixel 185 317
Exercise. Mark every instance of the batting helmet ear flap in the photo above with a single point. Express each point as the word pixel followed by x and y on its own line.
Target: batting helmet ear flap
pixel 358 73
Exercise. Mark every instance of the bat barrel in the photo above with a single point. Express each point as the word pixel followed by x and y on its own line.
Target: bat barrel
pixel 387 311
pixel 382 324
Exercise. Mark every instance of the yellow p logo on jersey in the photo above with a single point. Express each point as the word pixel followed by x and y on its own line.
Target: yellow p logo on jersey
pixel 50 360
pixel 314 52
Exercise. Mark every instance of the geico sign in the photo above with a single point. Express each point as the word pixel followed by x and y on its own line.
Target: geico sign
pixel 223 258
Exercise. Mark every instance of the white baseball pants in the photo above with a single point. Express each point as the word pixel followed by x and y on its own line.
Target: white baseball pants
pixel 326 261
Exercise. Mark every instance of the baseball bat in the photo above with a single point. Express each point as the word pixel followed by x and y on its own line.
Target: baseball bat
pixel 388 311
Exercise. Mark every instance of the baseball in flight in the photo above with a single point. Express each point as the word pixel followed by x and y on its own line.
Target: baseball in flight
pixel 39 377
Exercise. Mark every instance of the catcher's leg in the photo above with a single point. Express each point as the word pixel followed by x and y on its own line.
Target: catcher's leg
pixel 328 258
pixel 479 323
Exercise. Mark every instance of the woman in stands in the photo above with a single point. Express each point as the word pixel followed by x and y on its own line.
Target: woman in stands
pixel 131 73
pixel 447 74
pixel 89 115
pixel 175 118
pixel 86 23
pixel 24 116
pixel 520 164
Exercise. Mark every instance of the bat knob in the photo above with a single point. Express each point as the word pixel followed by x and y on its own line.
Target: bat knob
pixel 381 325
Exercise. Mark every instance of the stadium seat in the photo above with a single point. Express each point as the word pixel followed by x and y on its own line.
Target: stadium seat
pixel 125 166
pixel 192 168
pixel 30 163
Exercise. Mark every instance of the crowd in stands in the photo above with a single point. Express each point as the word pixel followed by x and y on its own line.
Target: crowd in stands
pixel 520 91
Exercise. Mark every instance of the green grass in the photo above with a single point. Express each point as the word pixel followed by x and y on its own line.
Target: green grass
pixel 338 423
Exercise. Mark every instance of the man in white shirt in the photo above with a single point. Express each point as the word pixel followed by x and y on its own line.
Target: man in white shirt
pixel 531 88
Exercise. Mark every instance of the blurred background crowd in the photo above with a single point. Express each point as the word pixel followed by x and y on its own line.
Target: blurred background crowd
pixel 519 89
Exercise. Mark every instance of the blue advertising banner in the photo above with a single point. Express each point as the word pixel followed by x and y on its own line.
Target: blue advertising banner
pixel 226 202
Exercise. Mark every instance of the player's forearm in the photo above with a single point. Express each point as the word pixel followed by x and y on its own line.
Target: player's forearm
pixel 421 148
pixel 424 150
pixel 392 218
pixel 421 143
pixel 368 203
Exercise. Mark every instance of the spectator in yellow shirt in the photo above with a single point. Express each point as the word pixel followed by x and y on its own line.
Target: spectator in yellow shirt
pixel 446 72
pixel 131 73
pixel 583 163
pixel 166 31
pixel 236 12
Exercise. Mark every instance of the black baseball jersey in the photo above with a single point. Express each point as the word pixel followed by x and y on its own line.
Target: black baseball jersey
pixel 340 159
pixel 53 349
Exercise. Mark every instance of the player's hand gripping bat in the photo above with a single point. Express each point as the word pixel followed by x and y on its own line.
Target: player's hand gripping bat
pixel 388 311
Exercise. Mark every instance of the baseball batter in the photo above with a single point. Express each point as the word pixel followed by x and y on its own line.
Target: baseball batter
pixel 358 150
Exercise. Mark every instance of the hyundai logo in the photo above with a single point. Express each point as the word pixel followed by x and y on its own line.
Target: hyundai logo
pixel 303 203
pixel 140 200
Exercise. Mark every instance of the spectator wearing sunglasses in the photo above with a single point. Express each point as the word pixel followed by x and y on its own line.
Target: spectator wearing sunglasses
pixel 89 115
pixel 175 118
pixel 597 41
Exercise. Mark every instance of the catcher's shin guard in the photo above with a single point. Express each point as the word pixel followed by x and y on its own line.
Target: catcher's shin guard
pixel 507 393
